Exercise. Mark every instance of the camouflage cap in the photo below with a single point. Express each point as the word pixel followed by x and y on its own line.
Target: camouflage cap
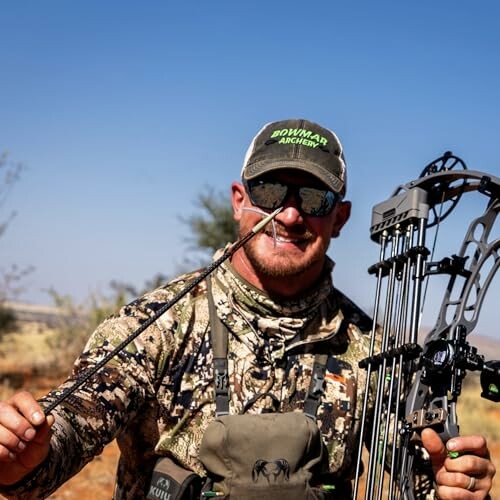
pixel 297 144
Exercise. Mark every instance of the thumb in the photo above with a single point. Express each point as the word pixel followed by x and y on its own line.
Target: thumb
pixel 435 447
pixel 44 431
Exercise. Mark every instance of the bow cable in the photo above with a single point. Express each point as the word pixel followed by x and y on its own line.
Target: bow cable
pixel 85 376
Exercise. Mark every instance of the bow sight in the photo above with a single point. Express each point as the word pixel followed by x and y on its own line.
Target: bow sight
pixel 418 386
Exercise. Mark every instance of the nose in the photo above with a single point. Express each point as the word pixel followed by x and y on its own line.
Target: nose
pixel 291 215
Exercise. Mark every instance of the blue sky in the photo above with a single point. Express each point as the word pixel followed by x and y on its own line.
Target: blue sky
pixel 123 111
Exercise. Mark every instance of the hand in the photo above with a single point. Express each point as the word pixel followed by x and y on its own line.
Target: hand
pixel 24 437
pixel 470 475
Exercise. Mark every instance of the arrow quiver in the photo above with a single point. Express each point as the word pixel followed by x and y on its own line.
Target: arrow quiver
pixel 418 384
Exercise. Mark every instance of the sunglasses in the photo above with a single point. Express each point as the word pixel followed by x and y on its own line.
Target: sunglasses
pixel 271 194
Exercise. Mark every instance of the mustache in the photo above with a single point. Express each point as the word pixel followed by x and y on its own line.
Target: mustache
pixel 278 229
pixel 298 231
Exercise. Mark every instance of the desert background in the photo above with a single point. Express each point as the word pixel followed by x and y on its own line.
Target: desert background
pixel 123 121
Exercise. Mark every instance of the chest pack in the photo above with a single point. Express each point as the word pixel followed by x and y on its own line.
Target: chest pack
pixel 267 456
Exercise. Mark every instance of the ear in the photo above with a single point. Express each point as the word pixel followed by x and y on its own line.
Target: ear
pixel 238 195
pixel 342 213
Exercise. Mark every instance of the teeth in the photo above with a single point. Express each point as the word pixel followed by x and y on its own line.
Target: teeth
pixel 283 239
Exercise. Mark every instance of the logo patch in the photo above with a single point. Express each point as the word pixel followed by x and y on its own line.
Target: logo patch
pixel 271 470
pixel 299 136
pixel 159 488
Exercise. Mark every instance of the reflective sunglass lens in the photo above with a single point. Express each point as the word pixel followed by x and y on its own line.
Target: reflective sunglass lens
pixel 271 194
pixel 317 202
pixel 268 195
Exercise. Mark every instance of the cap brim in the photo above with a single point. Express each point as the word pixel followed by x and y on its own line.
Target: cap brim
pixel 262 167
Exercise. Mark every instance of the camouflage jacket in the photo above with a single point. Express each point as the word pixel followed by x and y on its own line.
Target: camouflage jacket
pixel 157 396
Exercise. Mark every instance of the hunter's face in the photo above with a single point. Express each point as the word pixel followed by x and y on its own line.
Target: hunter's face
pixel 293 259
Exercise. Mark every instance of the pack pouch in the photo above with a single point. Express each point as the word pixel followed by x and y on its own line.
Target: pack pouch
pixel 172 482
pixel 267 456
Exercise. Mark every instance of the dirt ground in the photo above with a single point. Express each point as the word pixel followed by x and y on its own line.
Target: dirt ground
pixel 95 481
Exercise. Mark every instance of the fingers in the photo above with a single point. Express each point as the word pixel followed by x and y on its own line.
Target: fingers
pixel 463 446
pixel 20 419
pixel 469 475
pixel 452 482
pixel 468 464
pixel 473 462
pixel 27 405
pixel 25 434
pixel 469 444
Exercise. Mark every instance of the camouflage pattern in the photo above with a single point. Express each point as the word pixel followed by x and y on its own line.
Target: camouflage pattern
pixel 157 396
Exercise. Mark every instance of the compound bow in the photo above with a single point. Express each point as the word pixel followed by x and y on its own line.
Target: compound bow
pixel 418 386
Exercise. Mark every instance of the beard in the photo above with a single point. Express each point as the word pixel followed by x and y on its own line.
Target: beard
pixel 280 263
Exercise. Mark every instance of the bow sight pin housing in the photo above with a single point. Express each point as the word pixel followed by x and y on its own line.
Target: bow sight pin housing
pixel 437 359
pixel 453 358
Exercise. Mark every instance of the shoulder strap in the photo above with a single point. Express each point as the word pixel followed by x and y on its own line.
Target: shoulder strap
pixel 219 336
pixel 316 386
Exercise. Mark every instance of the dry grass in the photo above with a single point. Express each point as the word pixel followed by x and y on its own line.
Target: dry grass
pixel 36 350
pixel 28 347
pixel 477 415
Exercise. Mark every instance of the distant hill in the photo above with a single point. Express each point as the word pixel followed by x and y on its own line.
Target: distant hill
pixel 31 313
pixel 487 346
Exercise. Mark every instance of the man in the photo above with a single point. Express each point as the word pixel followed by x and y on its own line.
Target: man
pixel 277 306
